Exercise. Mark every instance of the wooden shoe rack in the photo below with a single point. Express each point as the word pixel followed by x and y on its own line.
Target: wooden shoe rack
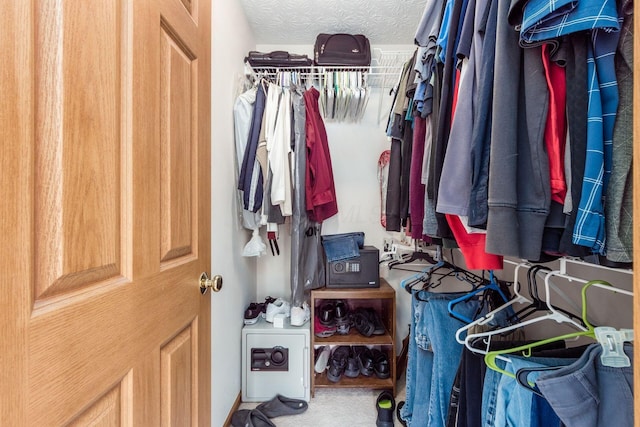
pixel 383 300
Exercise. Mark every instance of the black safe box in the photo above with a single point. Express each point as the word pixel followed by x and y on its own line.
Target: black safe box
pixel 359 272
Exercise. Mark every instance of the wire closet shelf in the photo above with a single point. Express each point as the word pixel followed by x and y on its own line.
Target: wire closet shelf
pixel 384 71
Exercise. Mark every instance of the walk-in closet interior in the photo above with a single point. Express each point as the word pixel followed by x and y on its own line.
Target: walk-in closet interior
pixel 486 151
pixel 320 213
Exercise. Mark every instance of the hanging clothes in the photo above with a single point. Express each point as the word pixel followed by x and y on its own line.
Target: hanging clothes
pixel 242 114
pixel 250 180
pixel 396 131
pixel 483 121
pixel 587 393
pixel 279 148
pixel 519 188
pixel 307 266
pixel 321 201
pixel 271 211
pixel 392 199
pixel 416 187
pixel 577 101
pixel 433 357
pixel 590 228
pixel 455 183
pixel 619 206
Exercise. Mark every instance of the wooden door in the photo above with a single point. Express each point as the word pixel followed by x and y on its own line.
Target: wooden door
pixel 105 212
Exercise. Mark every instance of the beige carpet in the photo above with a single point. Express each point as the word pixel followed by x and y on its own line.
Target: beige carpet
pixel 337 407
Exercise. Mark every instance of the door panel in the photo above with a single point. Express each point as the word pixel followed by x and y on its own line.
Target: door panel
pixel 111 409
pixel 78 146
pixel 106 213
pixel 178 121
pixel 177 357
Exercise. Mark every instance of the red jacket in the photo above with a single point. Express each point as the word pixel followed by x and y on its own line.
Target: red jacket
pixel 320 191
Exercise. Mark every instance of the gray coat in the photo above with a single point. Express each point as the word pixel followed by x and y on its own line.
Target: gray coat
pixel 519 187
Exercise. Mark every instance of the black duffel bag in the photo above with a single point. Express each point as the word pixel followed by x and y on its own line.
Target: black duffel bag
pixel 278 58
pixel 342 49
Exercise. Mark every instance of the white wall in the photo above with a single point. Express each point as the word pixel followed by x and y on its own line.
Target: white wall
pixel 231 40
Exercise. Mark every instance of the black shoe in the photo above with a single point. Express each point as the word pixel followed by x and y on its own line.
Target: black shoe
pixel 360 320
pixel 380 364
pixel 353 366
pixel 343 321
pixel 399 413
pixel 365 360
pixel 386 405
pixel 378 326
pixel 337 363
pixel 252 313
pixel 327 313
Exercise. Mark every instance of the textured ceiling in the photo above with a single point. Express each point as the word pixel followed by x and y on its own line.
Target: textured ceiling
pixel 299 21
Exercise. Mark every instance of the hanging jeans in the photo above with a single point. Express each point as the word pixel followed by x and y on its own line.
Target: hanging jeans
pixel 515 404
pixel 406 413
pixel 437 356
pixel 589 394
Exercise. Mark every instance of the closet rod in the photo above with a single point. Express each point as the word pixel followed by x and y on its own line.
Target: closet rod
pixel 564 261
pixel 562 269
pixel 321 70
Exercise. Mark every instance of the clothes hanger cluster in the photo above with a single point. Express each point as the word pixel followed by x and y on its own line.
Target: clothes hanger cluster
pixel 611 339
pixel 344 95
pixel 587 331
pixel 433 276
pixel 417 255
pixel 499 335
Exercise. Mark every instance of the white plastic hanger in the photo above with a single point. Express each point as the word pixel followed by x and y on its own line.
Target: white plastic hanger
pixel 553 314
pixel 517 299
pixel 611 339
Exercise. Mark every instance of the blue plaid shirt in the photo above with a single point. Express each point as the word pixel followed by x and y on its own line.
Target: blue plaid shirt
pixel 549 19
pixel 589 229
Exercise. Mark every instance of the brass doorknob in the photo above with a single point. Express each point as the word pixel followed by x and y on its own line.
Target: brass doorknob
pixel 214 283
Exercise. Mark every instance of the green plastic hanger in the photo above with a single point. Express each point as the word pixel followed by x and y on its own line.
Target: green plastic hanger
pixel 490 357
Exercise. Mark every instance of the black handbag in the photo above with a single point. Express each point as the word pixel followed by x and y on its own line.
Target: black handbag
pixel 278 58
pixel 342 49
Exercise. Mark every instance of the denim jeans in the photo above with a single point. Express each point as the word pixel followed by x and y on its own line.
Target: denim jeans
pixel 514 402
pixel 437 356
pixel 490 394
pixel 412 371
pixel 542 414
pixel 342 246
pixel 589 394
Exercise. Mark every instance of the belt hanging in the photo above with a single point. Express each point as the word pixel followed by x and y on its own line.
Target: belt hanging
pixel 272 236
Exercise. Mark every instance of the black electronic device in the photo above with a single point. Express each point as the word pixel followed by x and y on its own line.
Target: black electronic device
pixel 270 359
pixel 359 272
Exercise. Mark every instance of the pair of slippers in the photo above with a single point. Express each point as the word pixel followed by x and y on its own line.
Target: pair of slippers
pixel 276 407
